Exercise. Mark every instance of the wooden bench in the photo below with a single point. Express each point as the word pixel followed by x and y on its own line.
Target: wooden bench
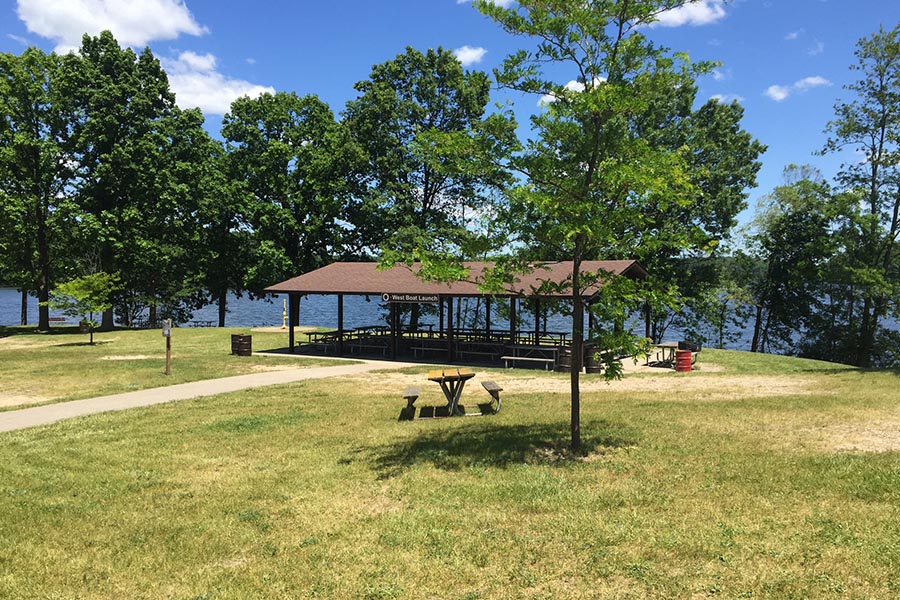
pixel 408 413
pixel 491 355
pixel 494 390
pixel 547 362
pixel 424 349
pixel 411 395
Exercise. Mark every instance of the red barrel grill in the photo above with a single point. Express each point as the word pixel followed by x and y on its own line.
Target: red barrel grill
pixel 682 361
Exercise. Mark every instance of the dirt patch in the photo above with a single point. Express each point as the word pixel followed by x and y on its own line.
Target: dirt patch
pixel 666 384
pixel 129 357
pixel 21 400
pixel 297 329
pixel 22 342
pixel 267 368
pixel 874 436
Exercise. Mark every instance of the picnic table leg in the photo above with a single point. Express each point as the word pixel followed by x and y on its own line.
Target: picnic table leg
pixel 453 391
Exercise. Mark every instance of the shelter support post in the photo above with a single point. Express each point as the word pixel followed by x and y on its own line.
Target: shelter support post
pixel 340 340
pixel 292 300
pixel 512 320
pixel 537 321
pixel 395 325
pixel 487 315
pixel 451 342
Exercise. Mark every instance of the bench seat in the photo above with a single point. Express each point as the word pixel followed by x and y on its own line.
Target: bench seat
pixel 547 362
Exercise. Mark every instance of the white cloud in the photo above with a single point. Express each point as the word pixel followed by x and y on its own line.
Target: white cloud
pixel 468 55
pixel 572 86
pixel 811 82
pixel 196 83
pixel 779 93
pixel 793 35
pixel 17 38
pixel 133 23
pixel 701 12
pixel 816 49
pixel 720 75
pixel 198 62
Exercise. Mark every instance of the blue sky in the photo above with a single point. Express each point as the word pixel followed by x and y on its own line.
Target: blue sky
pixel 786 61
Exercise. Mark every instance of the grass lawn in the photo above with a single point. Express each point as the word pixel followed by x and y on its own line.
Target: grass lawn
pixel 757 477
pixel 45 368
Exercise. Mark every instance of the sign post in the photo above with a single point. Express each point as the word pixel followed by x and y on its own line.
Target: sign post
pixel 167 333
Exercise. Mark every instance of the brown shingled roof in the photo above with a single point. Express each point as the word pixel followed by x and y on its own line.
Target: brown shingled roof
pixel 364 278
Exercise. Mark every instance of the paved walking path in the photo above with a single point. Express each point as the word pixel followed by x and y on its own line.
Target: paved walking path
pixel 51 413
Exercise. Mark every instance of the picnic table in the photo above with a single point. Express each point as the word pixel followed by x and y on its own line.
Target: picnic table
pixel 452 382
pixel 666 352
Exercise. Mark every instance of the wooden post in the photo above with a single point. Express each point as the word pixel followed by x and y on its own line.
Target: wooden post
pixel 487 315
pixel 512 320
pixel 450 349
pixel 537 321
pixel 394 327
pixel 340 341
pixel 292 299
pixel 169 355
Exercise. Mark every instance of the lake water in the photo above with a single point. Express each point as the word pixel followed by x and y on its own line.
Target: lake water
pixel 319 311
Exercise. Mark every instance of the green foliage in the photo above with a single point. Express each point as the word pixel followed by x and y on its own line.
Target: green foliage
pixel 420 119
pixel 793 240
pixel 867 274
pixel 292 165
pixel 36 170
pixel 619 162
pixel 83 297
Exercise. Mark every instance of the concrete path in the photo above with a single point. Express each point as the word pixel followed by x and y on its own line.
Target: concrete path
pixel 51 413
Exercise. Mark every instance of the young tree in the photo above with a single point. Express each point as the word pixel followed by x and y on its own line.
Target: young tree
pixel 592 179
pixel 83 297
pixel 869 124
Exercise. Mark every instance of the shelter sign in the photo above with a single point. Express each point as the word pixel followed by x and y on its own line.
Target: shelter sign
pixel 411 298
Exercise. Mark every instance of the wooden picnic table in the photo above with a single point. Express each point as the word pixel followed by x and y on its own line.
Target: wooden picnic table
pixel 452 382
pixel 666 352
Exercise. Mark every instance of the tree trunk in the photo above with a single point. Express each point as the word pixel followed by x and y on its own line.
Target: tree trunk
pixel 866 336
pixel 223 299
pixel 44 266
pixel 577 349
pixel 24 320
pixel 106 320
pixel 151 315
pixel 757 325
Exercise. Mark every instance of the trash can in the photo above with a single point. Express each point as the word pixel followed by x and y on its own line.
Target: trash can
pixel 242 345
pixel 564 360
pixel 682 361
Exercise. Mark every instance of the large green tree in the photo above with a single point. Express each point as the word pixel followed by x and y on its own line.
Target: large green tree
pixel 593 181
pixel 789 249
pixel 294 163
pixel 36 169
pixel 140 163
pixel 869 124
pixel 416 119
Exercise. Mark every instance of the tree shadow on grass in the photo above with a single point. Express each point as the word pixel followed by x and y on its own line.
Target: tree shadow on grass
pixel 86 344
pixel 497 445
